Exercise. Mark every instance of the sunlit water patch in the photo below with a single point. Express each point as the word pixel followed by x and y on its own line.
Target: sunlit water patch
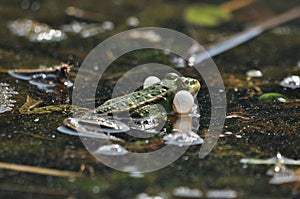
pixel 85 30
pixel 221 194
pixel 186 192
pixel 111 150
pixel 146 196
pixel 35 31
pixel 6 103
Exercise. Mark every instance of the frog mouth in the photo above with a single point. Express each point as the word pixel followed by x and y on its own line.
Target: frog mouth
pixel 196 88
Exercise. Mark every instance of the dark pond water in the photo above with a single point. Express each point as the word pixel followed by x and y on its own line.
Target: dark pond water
pixel 259 128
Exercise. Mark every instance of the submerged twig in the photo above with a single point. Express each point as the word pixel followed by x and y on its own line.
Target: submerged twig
pixel 30 107
pixel 34 190
pixel 39 170
pixel 244 36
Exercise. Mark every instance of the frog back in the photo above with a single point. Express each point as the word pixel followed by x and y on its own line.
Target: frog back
pixel 161 91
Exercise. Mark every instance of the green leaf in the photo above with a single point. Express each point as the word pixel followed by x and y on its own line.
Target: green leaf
pixel 270 97
pixel 206 15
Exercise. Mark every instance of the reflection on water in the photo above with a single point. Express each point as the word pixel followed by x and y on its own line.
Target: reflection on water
pixel 111 150
pixel 35 31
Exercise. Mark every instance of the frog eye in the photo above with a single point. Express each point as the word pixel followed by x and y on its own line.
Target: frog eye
pixel 171 76
pixel 186 81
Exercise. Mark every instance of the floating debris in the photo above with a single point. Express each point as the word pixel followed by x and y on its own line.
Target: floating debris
pixel 238 115
pixel 291 82
pixel 254 73
pixel 45 78
pixel 111 150
pixel 284 175
pixel 35 31
pixel 221 194
pixel 183 139
pixel 132 21
pixel 186 192
pixel 108 25
pixel 6 104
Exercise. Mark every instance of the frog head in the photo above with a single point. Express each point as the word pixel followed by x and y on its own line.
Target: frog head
pixel 185 83
pixel 191 85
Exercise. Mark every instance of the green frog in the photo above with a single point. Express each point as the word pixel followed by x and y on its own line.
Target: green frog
pixel 141 106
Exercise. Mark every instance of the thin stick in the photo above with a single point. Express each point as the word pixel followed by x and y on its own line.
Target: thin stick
pixel 244 36
pixel 39 170
pixel 235 4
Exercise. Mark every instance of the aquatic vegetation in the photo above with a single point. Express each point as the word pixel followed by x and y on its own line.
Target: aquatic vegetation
pixel 6 92
pixel 240 83
pixel 292 82
pixel 210 15
pixel 35 31
pixel 31 107
pixel 206 15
